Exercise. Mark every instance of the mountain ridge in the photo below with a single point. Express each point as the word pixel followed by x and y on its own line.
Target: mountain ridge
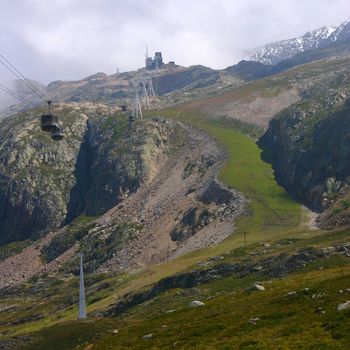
pixel 275 52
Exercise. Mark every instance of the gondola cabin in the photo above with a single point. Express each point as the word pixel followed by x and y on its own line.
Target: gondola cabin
pixel 57 134
pixel 49 122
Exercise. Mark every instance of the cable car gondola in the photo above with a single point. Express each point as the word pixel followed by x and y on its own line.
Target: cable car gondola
pixel 57 134
pixel 124 108
pixel 49 122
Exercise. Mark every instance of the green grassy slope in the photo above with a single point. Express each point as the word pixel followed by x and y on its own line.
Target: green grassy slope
pixel 305 320
pixel 244 170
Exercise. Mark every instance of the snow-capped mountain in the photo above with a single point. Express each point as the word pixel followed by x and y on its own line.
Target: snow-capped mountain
pixel 276 52
pixel 342 33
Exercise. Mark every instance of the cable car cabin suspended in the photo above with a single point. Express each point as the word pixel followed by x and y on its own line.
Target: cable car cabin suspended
pixel 124 108
pixel 57 134
pixel 49 122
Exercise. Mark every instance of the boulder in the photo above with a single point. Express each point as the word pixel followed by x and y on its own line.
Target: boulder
pixel 148 336
pixel 255 287
pixel 343 306
pixel 254 320
pixel 196 303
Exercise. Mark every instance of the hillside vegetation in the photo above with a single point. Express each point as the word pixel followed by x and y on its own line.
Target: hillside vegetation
pixel 294 311
pixel 243 152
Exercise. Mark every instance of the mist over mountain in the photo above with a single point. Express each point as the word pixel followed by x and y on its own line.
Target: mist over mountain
pixel 6 100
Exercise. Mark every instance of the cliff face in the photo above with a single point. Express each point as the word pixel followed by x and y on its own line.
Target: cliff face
pixel 36 174
pixel 307 142
pixel 308 149
pixel 44 184
pixel 115 161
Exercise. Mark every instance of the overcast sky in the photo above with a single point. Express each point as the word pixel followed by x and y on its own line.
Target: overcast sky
pixel 70 39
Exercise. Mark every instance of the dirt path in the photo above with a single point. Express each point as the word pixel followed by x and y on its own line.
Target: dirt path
pixel 308 219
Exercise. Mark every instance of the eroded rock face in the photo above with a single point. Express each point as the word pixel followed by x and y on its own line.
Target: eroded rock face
pixel 309 144
pixel 214 202
pixel 114 162
pixel 44 184
pixel 36 174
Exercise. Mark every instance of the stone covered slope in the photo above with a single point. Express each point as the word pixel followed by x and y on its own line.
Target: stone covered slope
pixel 48 183
pixel 182 207
pixel 172 84
pixel 257 102
pixel 168 83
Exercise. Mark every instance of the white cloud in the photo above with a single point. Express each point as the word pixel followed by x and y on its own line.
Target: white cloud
pixel 69 39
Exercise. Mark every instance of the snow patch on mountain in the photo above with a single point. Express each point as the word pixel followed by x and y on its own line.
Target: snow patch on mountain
pixel 276 52
pixel 341 33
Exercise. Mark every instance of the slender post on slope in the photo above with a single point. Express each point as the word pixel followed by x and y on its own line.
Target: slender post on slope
pixel 150 88
pixel 138 103
pixel 82 309
pixel 145 96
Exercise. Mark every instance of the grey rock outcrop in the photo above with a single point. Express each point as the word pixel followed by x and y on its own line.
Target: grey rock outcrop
pixel 256 287
pixel 36 174
pixel 308 141
pixel 343 306
pixel 196 303
pixel 99 162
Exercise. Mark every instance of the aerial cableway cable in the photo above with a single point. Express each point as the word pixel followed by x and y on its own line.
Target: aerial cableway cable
pixel 8 65
pixel 13 94
pixel 48 121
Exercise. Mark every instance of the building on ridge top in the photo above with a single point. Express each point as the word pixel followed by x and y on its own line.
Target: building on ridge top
pixel 154 62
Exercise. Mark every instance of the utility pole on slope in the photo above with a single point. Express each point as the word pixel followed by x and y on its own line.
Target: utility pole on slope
pixel 82 308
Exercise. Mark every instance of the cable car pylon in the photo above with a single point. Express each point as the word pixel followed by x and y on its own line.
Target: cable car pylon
pixel 82 307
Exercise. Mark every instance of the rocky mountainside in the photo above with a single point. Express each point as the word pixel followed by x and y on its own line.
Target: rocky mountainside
pixel 308 140
pixel 272 54
pixel 142 197
pixel 98 163
pixel 36 173
pixel 156 209
pixel 252 70
pixel 168 82
pixel 172 84
pixel 341 34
